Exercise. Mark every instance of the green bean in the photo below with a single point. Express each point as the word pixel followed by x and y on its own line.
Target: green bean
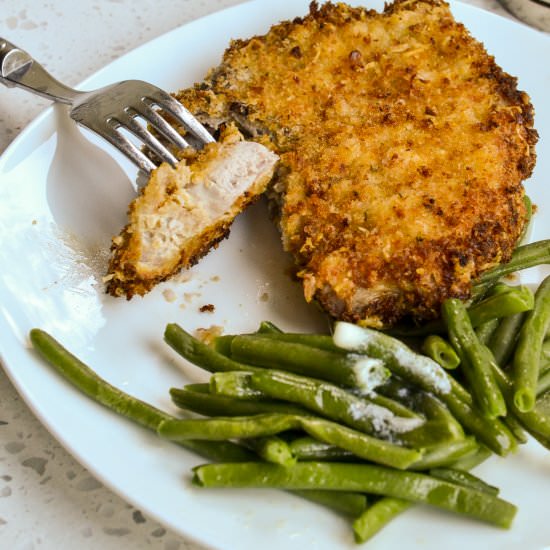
pixel 267 327
pixel 412 398
pixel 360 444
pixel 475 359
pixel 199 353
pixel 494 287
pixel 523 257
pixel 515 427
pixel 235 384
pixel 222 344
pixel 227 384
pixel 272 449
pixel 544 368
pixel 434 410
pixel 91 384
pixel 535 421
pixel 366 478
pixel 446 453
pixel 542 410
pixel 503 340
pixel 480 290
pixel 377 516
pixel 348 370
pixel 320 341
pixel 88 382
pixel 397 408
pixel 502 288
pixel 431 433
pixel 427 405
pixel 197 387
pixel 440 351
pixel 485 331
pixel 308 448
pixel 222 428
pixel 543 404
pixel 526 360
pixel 545 355
pixel 469 462
pixel 196 398
pixel 543 383
pixel 209 404
pixel 528 220
pixel 346 503
pixel 492 432
pixel 499 304
pixel 465 479
pixel 316 340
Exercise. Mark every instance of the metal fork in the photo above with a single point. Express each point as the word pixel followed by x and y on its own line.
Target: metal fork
pixel 110 111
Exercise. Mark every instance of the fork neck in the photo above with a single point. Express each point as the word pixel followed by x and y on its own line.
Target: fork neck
pixel 18 68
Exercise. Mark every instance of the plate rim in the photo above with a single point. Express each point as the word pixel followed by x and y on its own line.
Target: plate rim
pixel 41 121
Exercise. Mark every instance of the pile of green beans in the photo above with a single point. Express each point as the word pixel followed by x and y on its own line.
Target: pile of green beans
pixel 471 383
pixel 359 421
pixel 427 398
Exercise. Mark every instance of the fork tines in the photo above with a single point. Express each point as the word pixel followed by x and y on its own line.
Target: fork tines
pixel 143 104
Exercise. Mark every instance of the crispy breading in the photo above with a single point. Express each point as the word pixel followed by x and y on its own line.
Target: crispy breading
pixel 183 212
pixel 403 148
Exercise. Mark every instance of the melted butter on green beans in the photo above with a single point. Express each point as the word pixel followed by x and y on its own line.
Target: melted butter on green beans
pixel 394 353
pixel 370 372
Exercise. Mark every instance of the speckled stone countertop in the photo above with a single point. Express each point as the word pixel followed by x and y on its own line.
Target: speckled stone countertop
pixel 47 499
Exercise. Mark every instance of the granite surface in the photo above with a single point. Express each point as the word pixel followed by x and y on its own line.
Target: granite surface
pixel 47 499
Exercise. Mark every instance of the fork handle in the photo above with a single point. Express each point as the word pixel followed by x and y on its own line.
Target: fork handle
pixel 18 68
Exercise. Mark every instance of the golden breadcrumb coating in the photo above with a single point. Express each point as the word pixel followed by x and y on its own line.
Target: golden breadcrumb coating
pixel 402 144
pixel 183 212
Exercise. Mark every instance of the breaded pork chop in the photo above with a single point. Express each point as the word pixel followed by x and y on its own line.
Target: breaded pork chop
pixel 183 212
pixel 403 147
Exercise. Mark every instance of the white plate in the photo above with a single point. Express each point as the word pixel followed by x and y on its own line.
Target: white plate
pixel 61 198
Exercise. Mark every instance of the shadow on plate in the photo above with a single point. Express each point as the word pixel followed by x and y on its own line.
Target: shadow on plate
pixel 88 192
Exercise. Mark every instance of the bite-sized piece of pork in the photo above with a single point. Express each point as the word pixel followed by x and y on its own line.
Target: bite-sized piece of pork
pixel 183 212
